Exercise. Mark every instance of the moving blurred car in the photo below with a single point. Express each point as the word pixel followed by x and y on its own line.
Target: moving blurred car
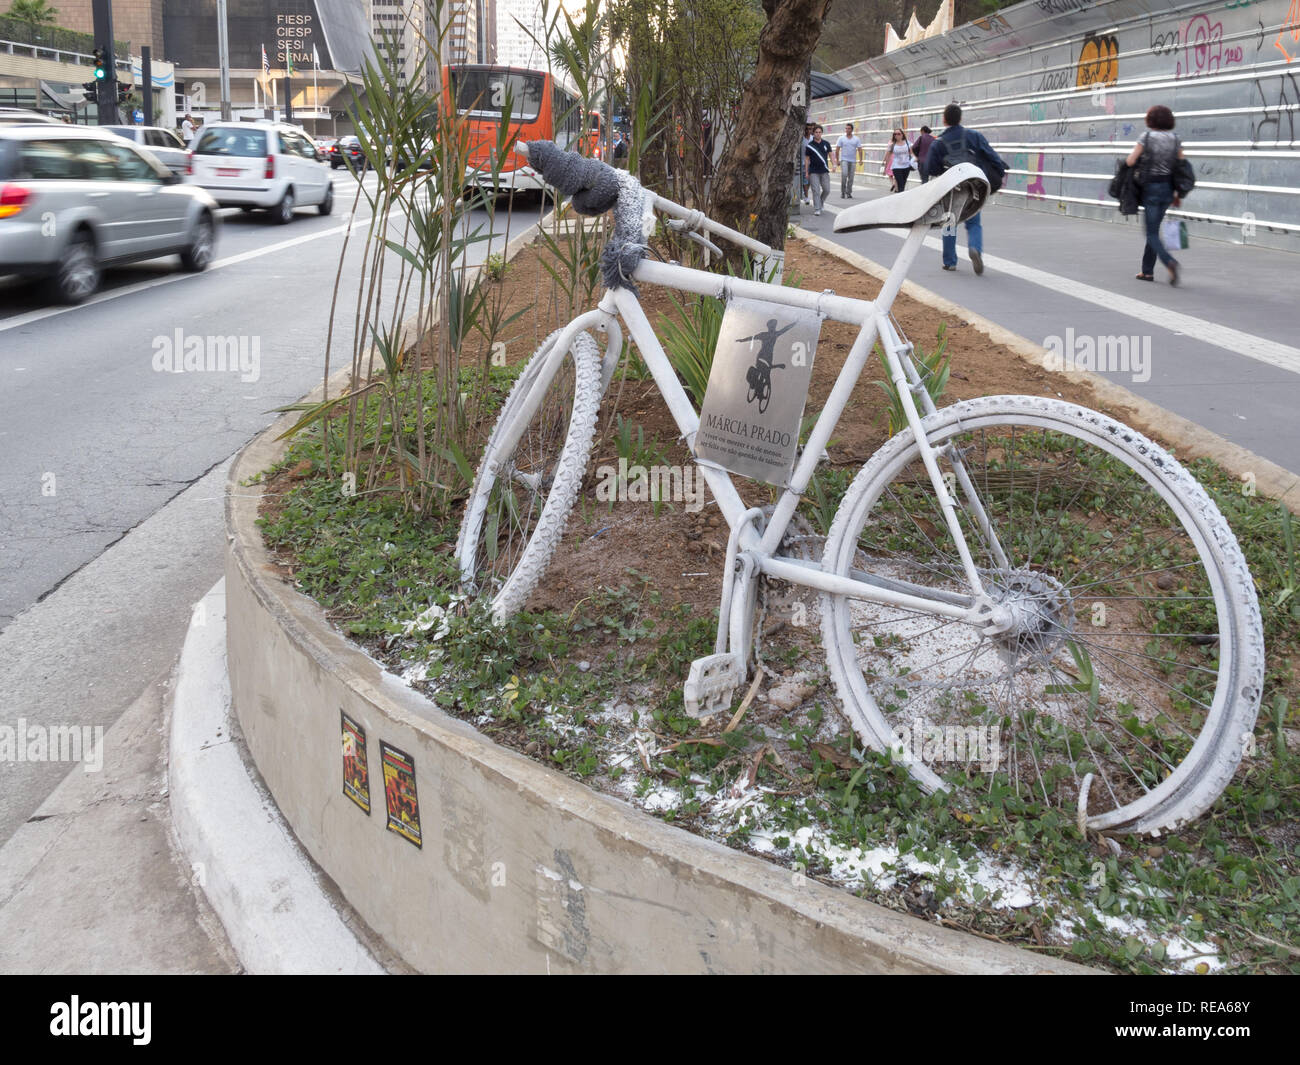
pixel 266 165
pixel 166 144
pixel 348 150
pixel 74 199
pixel 20 116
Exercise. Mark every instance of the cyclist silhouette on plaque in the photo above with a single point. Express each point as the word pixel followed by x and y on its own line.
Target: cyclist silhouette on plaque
pixel 759 376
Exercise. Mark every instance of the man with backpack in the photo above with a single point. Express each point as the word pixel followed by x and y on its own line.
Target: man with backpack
pixel 954 145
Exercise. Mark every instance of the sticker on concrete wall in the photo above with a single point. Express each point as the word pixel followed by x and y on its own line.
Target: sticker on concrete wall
pixel 356 769
pixel 399 793
pixel 758 386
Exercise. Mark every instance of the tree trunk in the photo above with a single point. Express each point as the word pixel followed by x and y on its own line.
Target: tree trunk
pixel 774 207
pixel 751 190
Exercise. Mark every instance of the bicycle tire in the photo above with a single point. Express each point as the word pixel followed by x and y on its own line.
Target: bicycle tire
pixel 558 440
pixel 1135 710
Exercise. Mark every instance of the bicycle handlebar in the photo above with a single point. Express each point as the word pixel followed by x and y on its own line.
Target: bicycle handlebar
pixel 595 187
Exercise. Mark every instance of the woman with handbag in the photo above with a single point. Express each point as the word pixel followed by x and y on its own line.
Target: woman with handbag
pixel 898 161
pixel 1156 156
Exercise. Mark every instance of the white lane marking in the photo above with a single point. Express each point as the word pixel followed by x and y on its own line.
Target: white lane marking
pixel 1261 349
pixel 140 286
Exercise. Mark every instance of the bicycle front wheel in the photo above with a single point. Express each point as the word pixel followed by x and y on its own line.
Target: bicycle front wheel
pixel 530 475
pixel 1134 661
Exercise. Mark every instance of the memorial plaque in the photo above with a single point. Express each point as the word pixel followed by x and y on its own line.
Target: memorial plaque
pixel 758 386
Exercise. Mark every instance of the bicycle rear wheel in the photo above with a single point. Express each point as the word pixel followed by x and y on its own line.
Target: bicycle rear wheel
pixel 530 475
pixel 1137 651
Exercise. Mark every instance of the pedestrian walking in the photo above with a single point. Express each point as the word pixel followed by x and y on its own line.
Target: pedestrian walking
pixel 1155 157
pixel 805 187
pixel 187 128
pixel 898 161
pixel 957 144
pixel 847 150
pixel 921 151
pixel 818 154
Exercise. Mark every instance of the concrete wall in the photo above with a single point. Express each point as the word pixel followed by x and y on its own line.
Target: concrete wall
pixel 1061 88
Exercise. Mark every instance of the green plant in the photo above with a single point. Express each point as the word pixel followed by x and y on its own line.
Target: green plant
pixel 414 271
pixel 934 371
pixel 1286 569
pixel 34 13
pixel 494 267
pixel 690 340
pixel 638 459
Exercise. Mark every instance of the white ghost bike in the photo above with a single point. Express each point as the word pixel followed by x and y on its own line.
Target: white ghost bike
pixel 1010 564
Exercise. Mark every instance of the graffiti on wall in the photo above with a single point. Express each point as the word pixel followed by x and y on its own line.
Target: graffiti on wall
pixel 1060 7
pixel 990 23
pixel 1098 61
pixel 1277 114
pixel 1035 189
pixel 1197 46
pixel 1203 49
pixel 1290 27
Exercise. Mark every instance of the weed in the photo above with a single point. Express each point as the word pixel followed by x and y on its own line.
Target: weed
pixel 933 369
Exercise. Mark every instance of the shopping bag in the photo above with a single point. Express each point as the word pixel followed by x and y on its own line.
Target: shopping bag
pixel 1170 235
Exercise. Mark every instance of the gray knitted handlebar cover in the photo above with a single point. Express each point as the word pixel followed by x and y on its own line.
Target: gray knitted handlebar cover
pixel 595 187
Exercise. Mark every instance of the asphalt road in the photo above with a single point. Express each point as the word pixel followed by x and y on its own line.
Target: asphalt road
pixel 96 437
pixel 1219 349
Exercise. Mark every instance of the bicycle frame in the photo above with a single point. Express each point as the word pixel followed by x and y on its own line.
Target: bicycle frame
pixel 745 541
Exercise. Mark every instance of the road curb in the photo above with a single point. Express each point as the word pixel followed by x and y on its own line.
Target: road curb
pixel 275 913
pixel 1185 438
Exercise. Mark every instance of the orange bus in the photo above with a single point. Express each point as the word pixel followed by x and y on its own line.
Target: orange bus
pixel 541 108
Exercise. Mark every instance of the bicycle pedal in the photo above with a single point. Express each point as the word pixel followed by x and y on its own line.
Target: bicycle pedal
pixel 712 683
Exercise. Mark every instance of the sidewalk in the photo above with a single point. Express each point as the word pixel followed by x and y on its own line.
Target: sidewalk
pixel 1221 349
pixel 114 872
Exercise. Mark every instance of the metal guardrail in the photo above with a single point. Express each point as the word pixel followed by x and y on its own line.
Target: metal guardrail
pixel 1061 89
pixel 59 55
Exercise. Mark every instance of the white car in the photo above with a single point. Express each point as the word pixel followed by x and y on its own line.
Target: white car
pixel 163 143
pixel 267 165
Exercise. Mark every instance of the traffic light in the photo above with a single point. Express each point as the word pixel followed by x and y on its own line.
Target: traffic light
pixel 92 91
pixel 122 92
pixel 101 67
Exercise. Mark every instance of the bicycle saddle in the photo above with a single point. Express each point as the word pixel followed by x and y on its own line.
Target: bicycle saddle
pixel 962 188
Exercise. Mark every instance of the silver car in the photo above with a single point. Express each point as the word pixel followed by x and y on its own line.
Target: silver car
pixel 74 200
pixel 164 143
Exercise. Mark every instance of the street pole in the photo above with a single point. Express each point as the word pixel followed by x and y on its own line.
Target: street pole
pixel 146 78
pixel 288 84
pixel 223 60
pixel 101 13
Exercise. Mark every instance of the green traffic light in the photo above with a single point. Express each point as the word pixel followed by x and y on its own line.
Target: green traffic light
pixel 99 73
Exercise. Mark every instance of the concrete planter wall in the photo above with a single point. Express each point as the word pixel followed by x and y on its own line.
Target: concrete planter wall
pixel 520 868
